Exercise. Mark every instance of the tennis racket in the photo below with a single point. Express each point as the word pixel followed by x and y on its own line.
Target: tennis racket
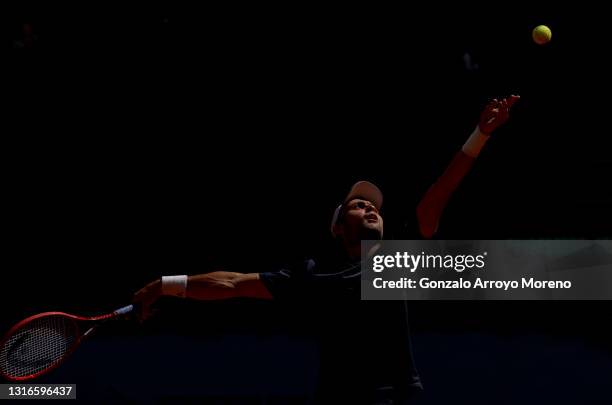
pixel 40 343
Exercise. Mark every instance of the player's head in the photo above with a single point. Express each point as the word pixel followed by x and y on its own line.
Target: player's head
pixel 358 217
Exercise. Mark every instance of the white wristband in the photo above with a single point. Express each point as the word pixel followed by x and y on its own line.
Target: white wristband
pixel 475 143
pixel 174 285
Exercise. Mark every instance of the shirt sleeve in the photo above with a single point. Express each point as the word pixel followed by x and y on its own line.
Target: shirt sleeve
pixel 411 227
pixel 407 228
pixel 290 283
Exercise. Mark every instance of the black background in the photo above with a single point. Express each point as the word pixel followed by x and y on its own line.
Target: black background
pixel 167 139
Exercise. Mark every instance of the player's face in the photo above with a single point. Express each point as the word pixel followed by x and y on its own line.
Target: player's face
pixel 362 220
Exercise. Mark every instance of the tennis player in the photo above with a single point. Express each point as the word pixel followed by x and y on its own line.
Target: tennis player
pixel 366 355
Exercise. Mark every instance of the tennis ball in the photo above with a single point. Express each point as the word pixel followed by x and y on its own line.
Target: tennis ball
pixel 541 34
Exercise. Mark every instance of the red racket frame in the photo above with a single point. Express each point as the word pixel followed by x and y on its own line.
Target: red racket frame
pixel 76 343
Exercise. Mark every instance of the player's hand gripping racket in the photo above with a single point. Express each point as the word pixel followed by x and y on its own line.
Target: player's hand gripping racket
pixel 40 343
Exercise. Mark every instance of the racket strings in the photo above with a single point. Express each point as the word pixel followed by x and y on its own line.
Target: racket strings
pixel 38 345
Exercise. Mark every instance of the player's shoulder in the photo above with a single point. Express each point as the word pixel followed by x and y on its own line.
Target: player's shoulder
pixel 406 229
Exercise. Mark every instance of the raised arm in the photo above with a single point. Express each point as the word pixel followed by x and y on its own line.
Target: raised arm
pixel 433 203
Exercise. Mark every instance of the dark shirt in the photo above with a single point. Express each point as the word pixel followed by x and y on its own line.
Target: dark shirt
pixel 365 347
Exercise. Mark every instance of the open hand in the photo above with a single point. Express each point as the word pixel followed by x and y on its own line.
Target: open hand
pixel 496 113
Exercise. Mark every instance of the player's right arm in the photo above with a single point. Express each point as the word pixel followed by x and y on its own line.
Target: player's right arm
pixel 217 285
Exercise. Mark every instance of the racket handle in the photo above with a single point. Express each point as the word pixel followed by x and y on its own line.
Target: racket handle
pixel 125 310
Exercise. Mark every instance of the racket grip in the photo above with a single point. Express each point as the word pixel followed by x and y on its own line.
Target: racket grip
pixel 125 310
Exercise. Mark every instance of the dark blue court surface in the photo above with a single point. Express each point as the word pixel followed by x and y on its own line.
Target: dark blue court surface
pixel 533 369
pixel 458 369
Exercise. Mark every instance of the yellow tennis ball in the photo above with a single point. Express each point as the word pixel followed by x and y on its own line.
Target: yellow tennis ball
pixel 541 34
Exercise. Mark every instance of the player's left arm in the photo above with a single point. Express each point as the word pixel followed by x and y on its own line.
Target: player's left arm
pixel 431 206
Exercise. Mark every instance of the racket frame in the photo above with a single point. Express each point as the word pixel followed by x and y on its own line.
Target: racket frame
pixel 75 344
